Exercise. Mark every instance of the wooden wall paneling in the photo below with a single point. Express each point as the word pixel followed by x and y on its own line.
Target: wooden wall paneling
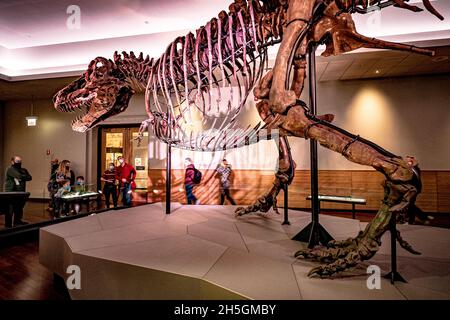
pixel 335 183
pixel 248 185
pixel 367 185
pixel 427 200
pixel 443 191
pixel 299 189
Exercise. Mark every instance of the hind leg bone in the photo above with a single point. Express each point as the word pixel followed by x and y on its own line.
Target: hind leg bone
pixel 400 190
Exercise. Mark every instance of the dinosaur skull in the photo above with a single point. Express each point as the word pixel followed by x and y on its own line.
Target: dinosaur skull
pixel 101 92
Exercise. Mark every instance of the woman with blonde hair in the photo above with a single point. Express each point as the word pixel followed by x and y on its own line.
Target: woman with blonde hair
pixel 64 173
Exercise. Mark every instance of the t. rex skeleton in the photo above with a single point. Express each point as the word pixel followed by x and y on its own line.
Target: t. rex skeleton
pixel 209 76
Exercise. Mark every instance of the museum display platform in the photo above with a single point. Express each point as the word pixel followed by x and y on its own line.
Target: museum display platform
pixel 204 252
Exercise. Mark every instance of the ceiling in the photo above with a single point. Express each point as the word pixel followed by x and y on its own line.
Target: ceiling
pixel 36 42
pixel 381 64
pixel 30 23
pixel 40 54
pixel 359 65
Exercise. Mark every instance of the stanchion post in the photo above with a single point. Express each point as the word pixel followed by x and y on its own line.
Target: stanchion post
pixel 314 233
pixel 394 275
pixel 168 162
pixel 286 204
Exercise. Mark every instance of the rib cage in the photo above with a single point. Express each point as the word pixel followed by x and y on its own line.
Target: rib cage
pixel 225 59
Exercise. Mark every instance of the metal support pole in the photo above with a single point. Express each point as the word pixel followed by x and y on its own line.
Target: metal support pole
pixel 314 233
pixel 168 177
pixel 394 275
pixel 168 163
pixel 286 204
pixel 315 204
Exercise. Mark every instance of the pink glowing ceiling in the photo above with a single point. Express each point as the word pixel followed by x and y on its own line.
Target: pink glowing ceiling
pixel 28 23
pixel 36 42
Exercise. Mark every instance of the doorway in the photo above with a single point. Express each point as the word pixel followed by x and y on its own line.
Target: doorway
pixel 121 141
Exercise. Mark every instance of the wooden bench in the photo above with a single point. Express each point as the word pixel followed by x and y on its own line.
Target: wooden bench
pixel 342 199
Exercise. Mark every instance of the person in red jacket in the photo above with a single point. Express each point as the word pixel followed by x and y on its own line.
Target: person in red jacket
pixel 189 181
pixel 126 175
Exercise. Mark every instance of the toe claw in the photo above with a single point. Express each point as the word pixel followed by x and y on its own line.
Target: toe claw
pixel 239 211
pixel 317 271
pixel 301 254
pixel 332 244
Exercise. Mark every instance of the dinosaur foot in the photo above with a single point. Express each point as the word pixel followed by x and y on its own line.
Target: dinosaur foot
pixel 344 243
pixel 322 254
pixel 351 252
pixel 263 205
pixel 327 270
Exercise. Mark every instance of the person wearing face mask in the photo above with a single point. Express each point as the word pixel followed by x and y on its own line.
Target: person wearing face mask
pixel 110 187
pixel 80 185
pixel 126 175
pixel 16 178
pixel 60 208
pixel 65 173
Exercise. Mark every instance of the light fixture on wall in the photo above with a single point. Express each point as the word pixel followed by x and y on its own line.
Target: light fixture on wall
pixel 32 120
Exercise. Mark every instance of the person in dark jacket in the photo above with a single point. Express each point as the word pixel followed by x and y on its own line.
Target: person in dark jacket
pixel 224 170
pixel 52 185
pixel 16 179
pixel 189 181
pixel 110 188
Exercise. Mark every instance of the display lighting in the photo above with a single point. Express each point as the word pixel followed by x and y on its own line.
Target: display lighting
pixel 32 120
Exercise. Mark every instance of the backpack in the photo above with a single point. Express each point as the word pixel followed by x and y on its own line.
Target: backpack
pixel 197 176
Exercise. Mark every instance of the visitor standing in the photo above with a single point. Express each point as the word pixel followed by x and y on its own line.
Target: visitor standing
pixel 16 179
pixel 65 173
pixel 191 177
pixel 126 174
pixel 110 187
pixel 224 171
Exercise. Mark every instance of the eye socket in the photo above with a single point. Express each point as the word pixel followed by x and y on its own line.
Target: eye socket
pixel 97 70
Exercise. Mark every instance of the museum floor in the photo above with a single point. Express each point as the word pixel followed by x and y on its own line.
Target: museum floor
pixel 203 252
pixel 22 277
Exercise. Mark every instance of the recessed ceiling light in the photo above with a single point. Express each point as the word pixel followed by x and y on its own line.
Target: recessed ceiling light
pixel 377 71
